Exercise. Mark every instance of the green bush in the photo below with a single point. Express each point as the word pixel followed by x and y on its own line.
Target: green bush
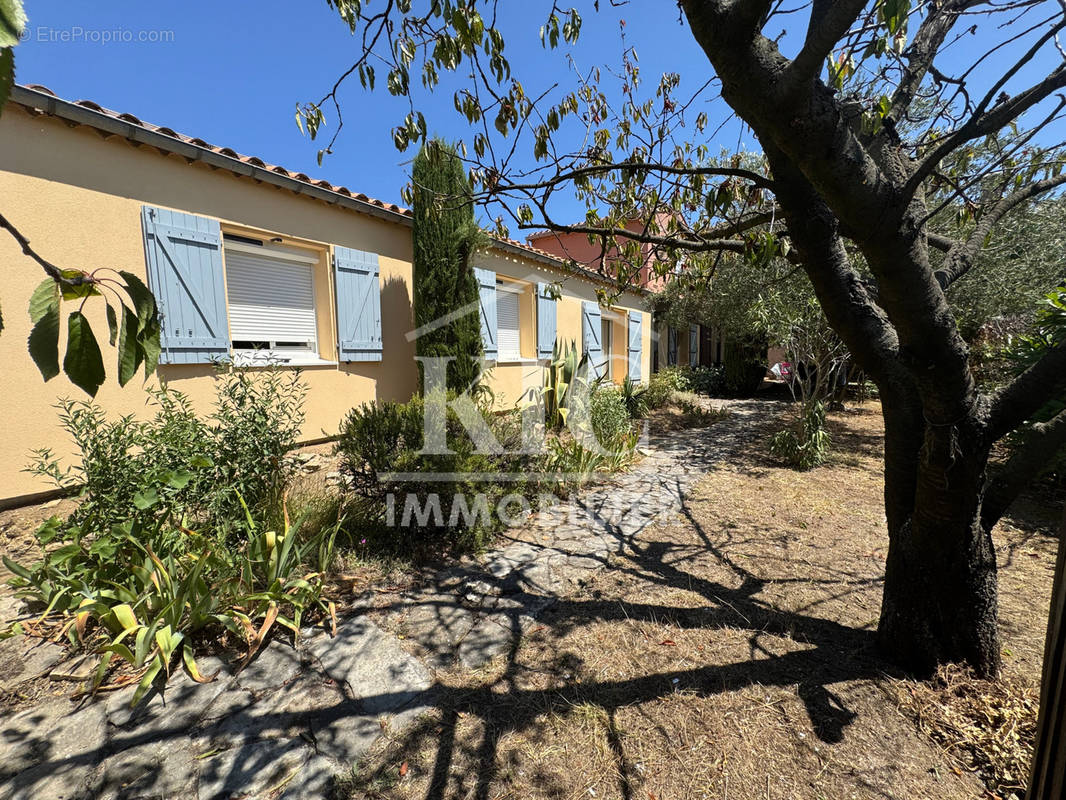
pixel 178 464
pixel 633 395
pixel 707 380
pixel 805 444
pixel 384 438
pixel 165 542
pixel 664 384
pixel 609 416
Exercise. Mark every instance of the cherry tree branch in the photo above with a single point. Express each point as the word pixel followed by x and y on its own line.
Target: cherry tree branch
pixel 1021 398
pixel 1042 442
pixel 50 269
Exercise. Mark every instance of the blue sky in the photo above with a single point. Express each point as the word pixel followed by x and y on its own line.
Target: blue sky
pixel 232 73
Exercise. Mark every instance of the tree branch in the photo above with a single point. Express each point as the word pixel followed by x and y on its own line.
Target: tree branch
pixel 923 50
pixel 1021 398
pixel 50 269
pixel 984 120
pixel 1042 442
pixel 829 22
pixel 755 178
pixel 961 257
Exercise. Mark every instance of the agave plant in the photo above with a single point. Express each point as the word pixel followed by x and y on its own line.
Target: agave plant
pixel 564 375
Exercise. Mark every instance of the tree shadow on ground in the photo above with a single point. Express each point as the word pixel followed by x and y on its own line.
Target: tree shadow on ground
pixel 829 653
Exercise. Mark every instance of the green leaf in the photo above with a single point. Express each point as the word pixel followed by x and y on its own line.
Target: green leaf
pixel 179 479
pixel 12 22
pixel 44 340
pixel 16 568
pixel 77 285
pixel 143 301
pixel 145 499
pixel 129 353
pixel 125 617
pixel 43 298
pixel 83 362
pixel 112 325
pixel 150 348
pixel 147 681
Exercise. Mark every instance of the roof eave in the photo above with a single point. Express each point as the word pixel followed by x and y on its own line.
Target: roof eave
pixel 80 115
pixel 72 112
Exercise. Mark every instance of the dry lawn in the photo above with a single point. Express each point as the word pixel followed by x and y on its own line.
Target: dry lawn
pixel 726 655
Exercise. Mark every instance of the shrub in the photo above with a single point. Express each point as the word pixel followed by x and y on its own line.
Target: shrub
pixel 608 415
pixel 178 464
pixel 140 590
pixel 805 444
pixel 695 414
pixel 633 395
pixel 664 383
pixel 165 542
pixel 384 438
pixel 707 380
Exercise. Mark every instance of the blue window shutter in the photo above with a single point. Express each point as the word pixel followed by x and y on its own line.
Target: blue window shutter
pixel 591 332
pixel 486 284
pixel 545 321
pixel 184 257
pixel 636 343
pixel 693 345
pixel 355 276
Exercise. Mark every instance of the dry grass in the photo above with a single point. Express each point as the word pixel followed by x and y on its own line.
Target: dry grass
pixel 987 725
pixel 730 655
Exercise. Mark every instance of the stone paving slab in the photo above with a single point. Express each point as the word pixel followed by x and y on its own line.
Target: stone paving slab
pixel 371 665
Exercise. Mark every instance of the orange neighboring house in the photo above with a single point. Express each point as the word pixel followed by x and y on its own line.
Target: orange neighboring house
pixel 701 345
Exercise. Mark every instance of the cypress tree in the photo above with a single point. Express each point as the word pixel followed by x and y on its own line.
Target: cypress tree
pixel 445 236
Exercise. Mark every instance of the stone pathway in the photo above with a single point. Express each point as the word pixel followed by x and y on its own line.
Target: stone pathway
pixel 295 718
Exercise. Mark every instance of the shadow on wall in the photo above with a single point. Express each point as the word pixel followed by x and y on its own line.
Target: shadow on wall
pixel 395 376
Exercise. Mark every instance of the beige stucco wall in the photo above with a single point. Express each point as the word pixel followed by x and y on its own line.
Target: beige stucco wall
pixel 78 198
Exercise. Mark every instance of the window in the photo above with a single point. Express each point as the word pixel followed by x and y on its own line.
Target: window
pixel 270 293
pixel 508 322
pixel 607 343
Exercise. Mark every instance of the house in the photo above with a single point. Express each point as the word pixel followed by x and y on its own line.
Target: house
pixel 697 345
pixel 245 257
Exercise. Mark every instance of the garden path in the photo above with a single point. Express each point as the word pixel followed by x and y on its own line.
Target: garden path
pixel 295 718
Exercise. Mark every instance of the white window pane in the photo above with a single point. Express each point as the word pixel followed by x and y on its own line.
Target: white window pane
pixel 507 324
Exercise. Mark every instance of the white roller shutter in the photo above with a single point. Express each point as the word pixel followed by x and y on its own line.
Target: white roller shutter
pixel 271 299
pixel 507 325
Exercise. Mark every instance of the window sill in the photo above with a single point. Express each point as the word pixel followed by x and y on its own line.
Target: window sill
pixel 273 360
pixel 506 361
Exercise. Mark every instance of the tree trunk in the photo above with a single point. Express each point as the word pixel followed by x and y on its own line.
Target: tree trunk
pixel 939 602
